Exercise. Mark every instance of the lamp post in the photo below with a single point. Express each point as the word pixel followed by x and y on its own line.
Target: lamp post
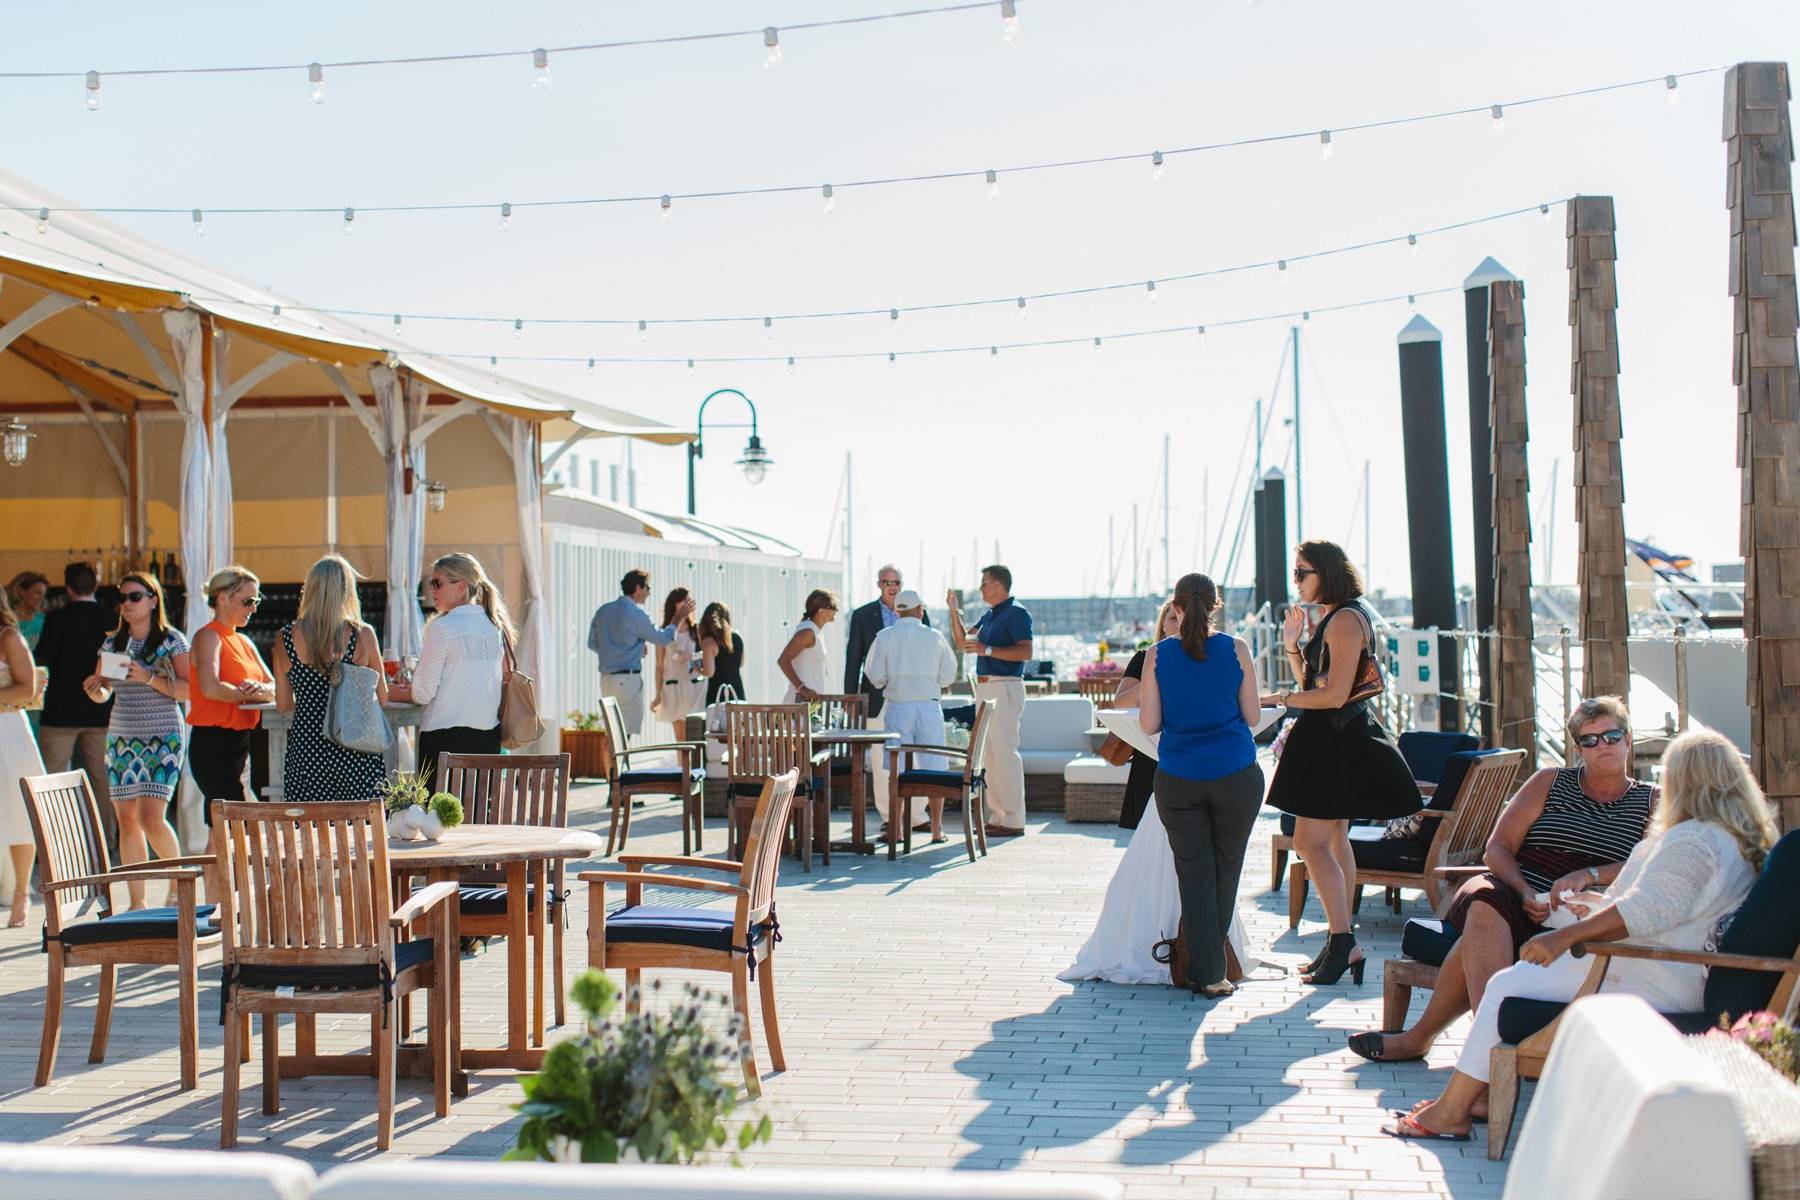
pixel 755 460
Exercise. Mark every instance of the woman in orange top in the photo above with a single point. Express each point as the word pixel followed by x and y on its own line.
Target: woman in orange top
pixel 228 673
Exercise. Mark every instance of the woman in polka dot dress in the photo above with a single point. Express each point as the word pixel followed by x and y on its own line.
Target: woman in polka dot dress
pixel 329 630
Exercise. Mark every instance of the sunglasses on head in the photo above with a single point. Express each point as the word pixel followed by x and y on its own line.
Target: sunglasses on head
pixel 133 597
pixel 1612 737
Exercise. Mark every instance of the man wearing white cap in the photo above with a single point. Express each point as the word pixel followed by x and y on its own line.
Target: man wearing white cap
pixel 912 664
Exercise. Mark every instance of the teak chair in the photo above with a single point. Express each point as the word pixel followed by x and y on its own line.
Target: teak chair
pixel 1459 836
pixel 686 781
pixel 309 921
pixel 763 740
pixel 703 939
pixel 1100 688
pixel 78 876
pixel 513 789
pixel 843 710
pixel 966 785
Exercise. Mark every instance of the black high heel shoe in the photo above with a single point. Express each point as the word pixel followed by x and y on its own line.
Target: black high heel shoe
pixel 1336 961
pixel 1319 958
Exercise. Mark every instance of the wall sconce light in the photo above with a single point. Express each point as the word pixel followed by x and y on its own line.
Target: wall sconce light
pixel 15 442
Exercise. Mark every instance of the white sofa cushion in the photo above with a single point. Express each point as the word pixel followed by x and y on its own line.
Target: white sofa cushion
pixel 1092 769
pixel 1058 723
pixel 144 1173
pixel 1048 762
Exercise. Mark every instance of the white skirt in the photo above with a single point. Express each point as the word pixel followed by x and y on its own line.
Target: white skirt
pixel 1142 907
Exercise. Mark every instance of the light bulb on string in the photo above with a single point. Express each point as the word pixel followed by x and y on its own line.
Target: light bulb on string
pixel 396 324
pixel 590 369
pixel 830 199
pixel 768 328
pixel 92 103
pixel 1009 20
pixel 993 182
pixel 667 203
pixel 1498 115
pixel 893 314
pixel 1281 270
pixel 43 220
pixel 1325 146
pixel 493 361
pixel 1544 211
pixel 890 358
pixel 790 364
pixel 1306 314
pixel 1023 311
pixel 1412 243
pixel 1096 347
pixel 993 354
pixel 199 222
pixel 315 79
pixel 771 43
pixel 1156 165
pixel 540 58
pixel 505 216
pixel 1200 331
pixel 518 328
pixel 1150 290
pixel 690 366
pixel 643 331
pixel 1672 88
pixel 275 314
pixel 1412 302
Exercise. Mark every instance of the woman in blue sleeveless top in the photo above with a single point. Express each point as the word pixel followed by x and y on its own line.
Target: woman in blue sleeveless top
pixel 1199 691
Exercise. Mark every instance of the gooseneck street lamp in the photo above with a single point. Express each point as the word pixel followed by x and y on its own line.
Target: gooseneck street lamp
pixel 755 460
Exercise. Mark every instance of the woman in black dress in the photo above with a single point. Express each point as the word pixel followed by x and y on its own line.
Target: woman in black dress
pixel 1339 764
pixel 1141 782
pixel 722 653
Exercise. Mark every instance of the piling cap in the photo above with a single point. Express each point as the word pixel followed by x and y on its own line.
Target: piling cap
pixel 1419 330
pixel 1488 272
pixel 1273 475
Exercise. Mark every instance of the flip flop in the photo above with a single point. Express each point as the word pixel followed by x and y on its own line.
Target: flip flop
pixel 1409 1128
pixel 1475 1118
pixel 1372 1046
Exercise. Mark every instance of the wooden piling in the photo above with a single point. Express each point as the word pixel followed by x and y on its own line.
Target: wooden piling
pixel 1515 680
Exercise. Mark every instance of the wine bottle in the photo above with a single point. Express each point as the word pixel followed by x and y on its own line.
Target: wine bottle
pixel 155 571
pixel 171 572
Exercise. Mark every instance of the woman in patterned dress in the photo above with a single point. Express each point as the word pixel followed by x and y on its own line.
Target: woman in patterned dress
pixel 680 689
pixel 329 630
pixel 144 748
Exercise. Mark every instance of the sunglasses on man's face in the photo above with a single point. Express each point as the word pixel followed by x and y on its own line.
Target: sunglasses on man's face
pixel 890 583
pixel 1612 737
pixel 133 597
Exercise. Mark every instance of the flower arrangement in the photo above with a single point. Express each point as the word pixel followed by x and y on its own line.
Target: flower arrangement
pixel 403 790
pixel 1101 668
pixel 649 1087
pixel 1772 1039
pixel 447 808
pixel 413 811
pixel 585 722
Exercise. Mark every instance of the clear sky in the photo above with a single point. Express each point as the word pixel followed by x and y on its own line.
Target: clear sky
pixel 1035 450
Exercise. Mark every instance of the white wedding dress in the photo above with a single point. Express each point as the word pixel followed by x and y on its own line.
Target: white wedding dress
pixel 1142 907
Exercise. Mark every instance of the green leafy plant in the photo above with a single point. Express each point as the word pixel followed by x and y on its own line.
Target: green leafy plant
pixel 1771 1038
pixel 583 722
pixel 658 1083
pixel 448 809
pixel 403 789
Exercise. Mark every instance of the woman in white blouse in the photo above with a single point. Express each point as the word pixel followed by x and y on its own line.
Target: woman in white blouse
pixel 802 660
pixel 461 664
pixel 1707 840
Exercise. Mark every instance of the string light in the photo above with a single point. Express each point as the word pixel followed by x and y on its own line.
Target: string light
pixel 1412 242
pixel 768 328
pixel 199 223
pixel 1150 290
pixel 349 221
pixel 893 314
pixel 643 331
pixel 790 364
pixel 396 324
pixel 1325 146
pixel 540 58
pixel 993 182
pixel 493 361
pixel 1673 87
pixel 667 204
pixel 315 79
pixel 1200 331
pixel 771 43
pixel 1305 314
pixel 1096 347
pixel 830 200
pixel 591 365
pixel 92 103
pixel 1281 270
pixel 1156 165
pixel 993 354
pixel 690 366
pixel 1023 311
pixel 1009 20
pixel 1498 115
pixel 890 358
pixel 505 217
pixel 1412 301
pixel 518 328
pixel 275 314
pixel 43 220
pixel 1545 210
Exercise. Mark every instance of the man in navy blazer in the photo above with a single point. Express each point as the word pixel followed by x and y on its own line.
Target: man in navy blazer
pixel 867 621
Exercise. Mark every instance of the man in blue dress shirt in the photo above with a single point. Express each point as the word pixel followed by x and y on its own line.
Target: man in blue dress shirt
pixel 621 633
pixel 1001 641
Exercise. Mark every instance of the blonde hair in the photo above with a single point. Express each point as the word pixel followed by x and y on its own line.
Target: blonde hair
pixel 1704 779
pixel 8 618
pixel 228 579
pixel 1595 707
pixel 329 608
pixel 466 568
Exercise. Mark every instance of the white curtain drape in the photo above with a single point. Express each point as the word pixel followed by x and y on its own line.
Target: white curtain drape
pixel 401 403
pixel 534 658
pixel 185 337
pixel 223 537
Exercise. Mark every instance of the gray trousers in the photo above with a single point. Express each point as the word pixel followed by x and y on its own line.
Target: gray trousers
pixel 1209 823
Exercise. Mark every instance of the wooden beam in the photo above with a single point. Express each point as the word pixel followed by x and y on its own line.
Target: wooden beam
pixel 1514 673
pixel 70 373
pixel 37 314
pixel 1599 475
pixel 1759 193
pixel 134 491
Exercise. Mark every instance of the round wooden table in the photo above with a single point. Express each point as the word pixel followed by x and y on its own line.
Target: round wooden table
pixel 856 740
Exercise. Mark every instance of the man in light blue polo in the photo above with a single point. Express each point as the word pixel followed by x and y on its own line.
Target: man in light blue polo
pixel 621 634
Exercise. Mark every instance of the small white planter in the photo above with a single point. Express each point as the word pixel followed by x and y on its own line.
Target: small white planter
pixel 397 828
pixel 431 829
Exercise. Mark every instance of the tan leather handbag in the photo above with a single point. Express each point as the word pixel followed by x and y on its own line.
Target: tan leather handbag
pixel 520 724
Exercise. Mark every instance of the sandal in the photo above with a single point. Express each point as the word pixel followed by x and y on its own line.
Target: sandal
pixel 1372 1046
pixel 1409 1127
pixel 1475 1118
pixel 1216 991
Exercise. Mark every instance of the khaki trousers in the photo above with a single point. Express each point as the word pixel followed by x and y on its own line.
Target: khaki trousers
pixel 628 690
pixel 1005 769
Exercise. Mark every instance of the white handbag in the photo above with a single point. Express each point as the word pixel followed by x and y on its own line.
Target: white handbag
pixel 715 712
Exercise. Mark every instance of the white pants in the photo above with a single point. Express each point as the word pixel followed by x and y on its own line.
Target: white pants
pixel 919 723
pixel 1558 981
pixel 628 690
pixel 1005 769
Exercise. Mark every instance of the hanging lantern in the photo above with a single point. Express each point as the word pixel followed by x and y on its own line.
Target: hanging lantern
pixel 15 442
pixel 436 494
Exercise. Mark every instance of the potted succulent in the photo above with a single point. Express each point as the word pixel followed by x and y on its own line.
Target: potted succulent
pixel 412 809
pixel 653 1087
pixel 584 739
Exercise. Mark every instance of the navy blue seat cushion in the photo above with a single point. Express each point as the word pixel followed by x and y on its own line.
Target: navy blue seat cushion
pixel 1427 751
pixel 134 926
pixel 1520 1018
pixel 670 777
pixel 406 955
pixel 1389 854
pixel 1427 941
pixel 949 779
pixel 489 899
pixel 751 787
pixel 1767 923
pixel 701 928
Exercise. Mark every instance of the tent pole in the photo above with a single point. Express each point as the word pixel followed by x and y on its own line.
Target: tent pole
pixel 134 492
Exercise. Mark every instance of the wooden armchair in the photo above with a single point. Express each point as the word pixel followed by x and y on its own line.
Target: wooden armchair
pixel 967 785
pixel 686 781
pixel 844 710
pixel 513 789
pixel 1100 688
pixel 1458 835
pixel 84 927
pixel 735 942
pixel 309 922
pixel 764 740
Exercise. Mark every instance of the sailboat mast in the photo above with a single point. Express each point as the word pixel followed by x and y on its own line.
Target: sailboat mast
pixel 1168 580
pixel 1299 475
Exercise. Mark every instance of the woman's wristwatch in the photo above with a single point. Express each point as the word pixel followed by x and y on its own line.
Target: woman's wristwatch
pixel 1594 874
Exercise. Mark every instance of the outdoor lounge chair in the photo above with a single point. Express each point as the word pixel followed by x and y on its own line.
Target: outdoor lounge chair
pixel 686 781
pixel 1754 969
pixel 734 941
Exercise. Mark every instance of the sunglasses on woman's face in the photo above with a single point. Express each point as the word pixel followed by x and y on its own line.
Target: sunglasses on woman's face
pixel 133 597
pixel 1300 574
pixel 1612 737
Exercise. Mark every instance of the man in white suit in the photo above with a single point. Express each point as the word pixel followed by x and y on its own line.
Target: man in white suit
pixel 912 664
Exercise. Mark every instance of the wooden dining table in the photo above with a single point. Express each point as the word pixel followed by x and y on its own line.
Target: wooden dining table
pixel 856 740
pixel 524 852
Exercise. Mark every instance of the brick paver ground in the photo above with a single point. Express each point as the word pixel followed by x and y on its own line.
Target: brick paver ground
pixel 924 1027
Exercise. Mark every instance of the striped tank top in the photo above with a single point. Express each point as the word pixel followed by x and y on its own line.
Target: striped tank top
pixel 1576 831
